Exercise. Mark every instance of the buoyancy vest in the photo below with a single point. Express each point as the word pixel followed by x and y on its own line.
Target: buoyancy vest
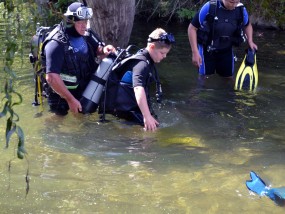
pixel 222 28
pixel 76 70
pixel 120 96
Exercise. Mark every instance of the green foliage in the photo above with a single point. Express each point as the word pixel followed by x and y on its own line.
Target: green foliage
pixel 269 10
pixel 15 33
pixel 16 21
pixel 13 118
pixel 61 5
pixel 274 10
pixel 185 13
pixel 44 14
pixel 50 12
pixel 173 9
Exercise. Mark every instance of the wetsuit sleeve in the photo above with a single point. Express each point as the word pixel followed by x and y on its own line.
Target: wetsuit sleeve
pixel 140 74
pixel 200 17
pixel 245 17
pixel 54 53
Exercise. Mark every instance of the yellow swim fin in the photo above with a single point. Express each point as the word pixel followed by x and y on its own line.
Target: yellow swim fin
pixel 247 75
pixel 239 73
pixel 255 72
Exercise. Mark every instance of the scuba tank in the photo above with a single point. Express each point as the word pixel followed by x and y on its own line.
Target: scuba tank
pixel 91 95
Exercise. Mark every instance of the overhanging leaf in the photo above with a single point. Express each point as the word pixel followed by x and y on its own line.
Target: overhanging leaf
pixel 9 131
pixel 4 111
pixel 20 98
pixel 21 137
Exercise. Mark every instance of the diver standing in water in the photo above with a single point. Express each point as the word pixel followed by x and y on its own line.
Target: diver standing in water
pixel 215 29
pixel 69 58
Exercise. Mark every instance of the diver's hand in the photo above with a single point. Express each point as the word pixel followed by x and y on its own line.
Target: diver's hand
pixel 74 106
pixel 108 49
pixel 252 46
pixel 150 124
pixel 196 59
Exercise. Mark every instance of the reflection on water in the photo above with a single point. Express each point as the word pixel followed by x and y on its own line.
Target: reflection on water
pixel 197 162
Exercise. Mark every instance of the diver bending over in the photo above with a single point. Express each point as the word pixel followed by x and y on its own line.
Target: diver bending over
pixel 131 97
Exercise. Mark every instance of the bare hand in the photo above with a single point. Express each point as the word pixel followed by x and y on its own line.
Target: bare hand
pixel 150 124
pixel 74 106
pixel 252 46
pixel 108 49
pixel 197 60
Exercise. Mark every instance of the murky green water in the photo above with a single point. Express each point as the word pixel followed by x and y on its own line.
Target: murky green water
pixel 198 161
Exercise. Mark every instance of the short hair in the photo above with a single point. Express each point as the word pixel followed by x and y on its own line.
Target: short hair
pixel 156 34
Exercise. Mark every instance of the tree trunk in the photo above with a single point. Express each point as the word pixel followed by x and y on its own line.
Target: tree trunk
pixel 113 20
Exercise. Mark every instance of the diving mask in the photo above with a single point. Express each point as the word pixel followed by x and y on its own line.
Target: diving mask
pixel 81 13
pixel 167 38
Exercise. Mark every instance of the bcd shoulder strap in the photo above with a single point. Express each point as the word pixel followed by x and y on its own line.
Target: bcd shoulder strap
pixel 212 11
pixel 133 57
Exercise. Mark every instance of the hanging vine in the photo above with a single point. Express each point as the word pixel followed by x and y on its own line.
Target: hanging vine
pixel 14 37
pixel 15 26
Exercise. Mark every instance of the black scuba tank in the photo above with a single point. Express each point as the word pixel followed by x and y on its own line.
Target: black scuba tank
pixel 92 94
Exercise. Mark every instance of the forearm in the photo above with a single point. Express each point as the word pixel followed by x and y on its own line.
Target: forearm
pixel 248 32
pixel 192 36
pixel 58 86
pixel 142 101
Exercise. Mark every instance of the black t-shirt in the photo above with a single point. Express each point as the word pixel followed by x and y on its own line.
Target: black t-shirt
pixel 139 72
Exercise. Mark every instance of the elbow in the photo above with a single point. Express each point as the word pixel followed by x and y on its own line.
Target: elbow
pixel 191 30
pixel 50 78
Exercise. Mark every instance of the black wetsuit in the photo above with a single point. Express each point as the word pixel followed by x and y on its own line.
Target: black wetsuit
pixel 218 57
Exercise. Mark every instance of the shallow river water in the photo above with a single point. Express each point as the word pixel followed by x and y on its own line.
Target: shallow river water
pixel 209 140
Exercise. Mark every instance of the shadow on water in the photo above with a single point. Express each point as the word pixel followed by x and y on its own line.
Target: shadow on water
pixel 210 137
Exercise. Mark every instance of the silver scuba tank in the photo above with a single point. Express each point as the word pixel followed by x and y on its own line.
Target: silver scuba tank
pixel 92 94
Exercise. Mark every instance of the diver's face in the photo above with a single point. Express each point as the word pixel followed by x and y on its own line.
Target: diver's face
pixel 81 26
pixel 231 4
pixel 158 54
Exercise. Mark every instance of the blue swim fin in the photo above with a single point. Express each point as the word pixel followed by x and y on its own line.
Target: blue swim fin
pixel 277 195
pixel 257 185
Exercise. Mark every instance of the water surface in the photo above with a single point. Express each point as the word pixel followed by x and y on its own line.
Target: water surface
pixel 209 140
